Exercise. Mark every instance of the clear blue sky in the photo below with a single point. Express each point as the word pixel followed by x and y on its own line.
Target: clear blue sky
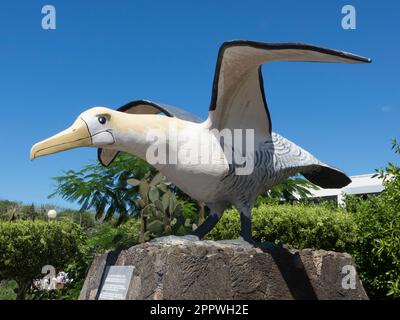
pixel 111 52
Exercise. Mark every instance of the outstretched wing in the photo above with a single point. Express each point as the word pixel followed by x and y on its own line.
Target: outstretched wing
pixel 106 156
pixel 238 99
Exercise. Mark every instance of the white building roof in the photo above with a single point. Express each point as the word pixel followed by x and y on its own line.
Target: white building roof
pixel 361 184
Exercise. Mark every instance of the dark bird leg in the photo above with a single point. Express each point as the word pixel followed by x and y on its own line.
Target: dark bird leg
pixel 245 220
pixel 211 221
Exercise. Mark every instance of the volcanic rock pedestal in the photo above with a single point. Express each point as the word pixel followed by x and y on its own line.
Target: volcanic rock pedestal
pixel 175 268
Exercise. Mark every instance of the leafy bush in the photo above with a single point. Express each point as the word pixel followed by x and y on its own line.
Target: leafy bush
pixel 192 215
pixel 105 236
pixel 27 246
pixel 84 219
pixel 298 226
pixel 377 250
pixel 7 290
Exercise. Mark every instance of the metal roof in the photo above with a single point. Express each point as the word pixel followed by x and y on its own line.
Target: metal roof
pixel 361 184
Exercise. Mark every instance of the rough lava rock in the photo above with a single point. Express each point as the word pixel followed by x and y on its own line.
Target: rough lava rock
pixel 177 268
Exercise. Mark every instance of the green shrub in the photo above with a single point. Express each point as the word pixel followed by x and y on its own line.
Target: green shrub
pixel 105 236
pixel 7 290
pixel 297 226
pixel 377 250
pixel 27 246
pixel 84 219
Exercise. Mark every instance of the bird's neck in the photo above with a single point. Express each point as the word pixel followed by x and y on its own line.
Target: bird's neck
pixel 136 133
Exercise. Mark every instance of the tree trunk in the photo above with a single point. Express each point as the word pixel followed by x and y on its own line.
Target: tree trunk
pixel 23 287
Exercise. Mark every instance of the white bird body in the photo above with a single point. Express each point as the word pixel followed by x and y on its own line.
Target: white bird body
pixel 182 137
pixel 190 153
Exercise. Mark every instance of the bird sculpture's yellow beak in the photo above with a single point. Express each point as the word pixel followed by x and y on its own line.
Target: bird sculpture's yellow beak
pixel 77 135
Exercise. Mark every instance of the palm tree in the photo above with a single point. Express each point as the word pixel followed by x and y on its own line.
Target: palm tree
pixel 104 189
pixel 293 189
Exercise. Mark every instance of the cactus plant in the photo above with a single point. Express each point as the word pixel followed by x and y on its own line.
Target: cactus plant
pixel 160 211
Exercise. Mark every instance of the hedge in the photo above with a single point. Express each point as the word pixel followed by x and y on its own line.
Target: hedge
pixel 26 246
pixel 297 226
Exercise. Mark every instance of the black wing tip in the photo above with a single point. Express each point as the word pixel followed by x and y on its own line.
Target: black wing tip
pixel 328 178
pixel 355 57
pixel 293 45
pixel 344 181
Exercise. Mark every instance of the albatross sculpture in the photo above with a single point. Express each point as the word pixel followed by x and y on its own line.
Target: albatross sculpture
pixel 237 103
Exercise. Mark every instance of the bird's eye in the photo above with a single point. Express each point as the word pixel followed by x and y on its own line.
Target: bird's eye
pixel 102 120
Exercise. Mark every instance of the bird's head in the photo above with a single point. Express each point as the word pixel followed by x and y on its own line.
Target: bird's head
pixel 93 128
